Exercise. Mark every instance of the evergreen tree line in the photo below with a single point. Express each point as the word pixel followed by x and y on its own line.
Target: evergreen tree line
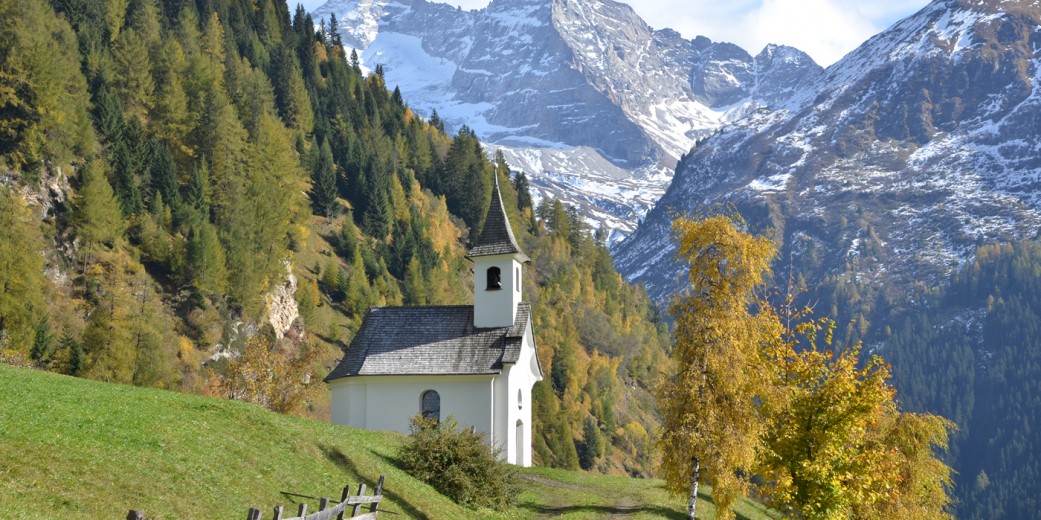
pixel 186 156
pixel 970 353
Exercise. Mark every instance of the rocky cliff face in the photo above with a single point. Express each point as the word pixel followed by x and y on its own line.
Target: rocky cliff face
pixel 566 78
pixel 904 156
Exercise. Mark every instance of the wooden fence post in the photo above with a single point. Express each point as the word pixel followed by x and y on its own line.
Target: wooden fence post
pixel 303 509
pixel 253 514
pixel 343 498
pixel 134 514
pixel 357 507
pixel 323 503
pixel 379 491
pixel 278 513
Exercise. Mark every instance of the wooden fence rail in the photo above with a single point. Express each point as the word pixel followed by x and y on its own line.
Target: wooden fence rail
pixel 325 511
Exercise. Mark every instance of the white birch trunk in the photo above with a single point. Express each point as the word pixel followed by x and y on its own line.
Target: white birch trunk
pixel 693 487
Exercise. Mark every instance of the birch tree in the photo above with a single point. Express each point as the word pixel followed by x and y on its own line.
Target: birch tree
pixel 710 424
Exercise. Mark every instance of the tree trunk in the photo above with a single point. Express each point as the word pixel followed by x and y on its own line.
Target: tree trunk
pixel 694 474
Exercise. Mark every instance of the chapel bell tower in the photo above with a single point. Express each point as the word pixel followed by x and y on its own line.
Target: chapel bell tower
pixel 497 269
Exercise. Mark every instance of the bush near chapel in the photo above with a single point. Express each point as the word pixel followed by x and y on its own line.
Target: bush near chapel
pixel 457 462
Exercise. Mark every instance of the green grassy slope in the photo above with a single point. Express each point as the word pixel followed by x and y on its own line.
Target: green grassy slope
pixel 77 448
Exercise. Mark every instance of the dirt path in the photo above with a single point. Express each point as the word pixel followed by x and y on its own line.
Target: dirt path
pixel 621 506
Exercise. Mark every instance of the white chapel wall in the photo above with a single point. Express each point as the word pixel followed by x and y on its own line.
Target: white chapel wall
pixel 388 402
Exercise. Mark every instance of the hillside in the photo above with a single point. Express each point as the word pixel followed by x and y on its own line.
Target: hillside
pixel 73 447
pixel 184 182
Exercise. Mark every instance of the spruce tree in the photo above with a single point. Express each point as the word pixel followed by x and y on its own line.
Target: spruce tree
pixel 163 175
pixel 71 348
pixel 592 446
pixel 323 181
pixel 436 122
pixel 334 31
pixel 42 342
pixel 197 193
pixel 108 110
pixel 355 62
pixel 520 184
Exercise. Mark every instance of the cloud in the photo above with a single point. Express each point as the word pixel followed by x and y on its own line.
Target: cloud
pixel 821 28
pixel 824 29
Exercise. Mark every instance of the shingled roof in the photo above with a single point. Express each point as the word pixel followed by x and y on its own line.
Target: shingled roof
pixel 435 340
pixel 496 236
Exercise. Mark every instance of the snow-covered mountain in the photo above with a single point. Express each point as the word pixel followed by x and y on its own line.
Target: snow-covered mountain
pixel 898 161
pixel 559 82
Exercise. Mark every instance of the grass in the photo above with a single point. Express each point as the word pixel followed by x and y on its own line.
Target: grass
pixel 552 492
pixel 76 448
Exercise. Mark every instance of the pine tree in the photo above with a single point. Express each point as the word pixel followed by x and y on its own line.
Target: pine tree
pixel 43 345
pixel 323 181
pixel 436 122
pixel 72 350
pixel 129 156
pixel 115 15
pixel 197 193
pixel 355 62
pixel 294 103
pixel 334 32
pixel 163 178
pixel 592 446
pixel 520 184
pixel 108 110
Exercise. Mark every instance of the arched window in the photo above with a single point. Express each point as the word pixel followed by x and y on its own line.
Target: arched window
pixel 520 399
pixel 516 280
pixel 494 279
pixel 431 405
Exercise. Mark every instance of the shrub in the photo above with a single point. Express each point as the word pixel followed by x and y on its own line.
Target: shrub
pixel 458 463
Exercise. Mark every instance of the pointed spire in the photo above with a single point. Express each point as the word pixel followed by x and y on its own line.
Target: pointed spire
pixel 497 235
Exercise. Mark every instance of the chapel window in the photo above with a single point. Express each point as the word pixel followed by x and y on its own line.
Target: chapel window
pixel 431 405
pixel 494 279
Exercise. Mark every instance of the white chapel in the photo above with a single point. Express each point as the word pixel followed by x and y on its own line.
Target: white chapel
pixel 475 362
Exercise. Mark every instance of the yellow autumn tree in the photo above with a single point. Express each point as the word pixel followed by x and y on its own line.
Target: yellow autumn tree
pixel 710 420
pixel 837 446
pixel 752 396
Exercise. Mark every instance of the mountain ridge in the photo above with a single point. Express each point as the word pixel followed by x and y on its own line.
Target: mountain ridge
pixel 931 125
pixel 571 75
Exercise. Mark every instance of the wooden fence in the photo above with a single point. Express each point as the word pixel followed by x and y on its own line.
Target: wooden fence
pixel 325 510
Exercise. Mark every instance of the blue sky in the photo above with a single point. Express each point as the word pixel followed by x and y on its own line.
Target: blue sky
pixel 824 29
